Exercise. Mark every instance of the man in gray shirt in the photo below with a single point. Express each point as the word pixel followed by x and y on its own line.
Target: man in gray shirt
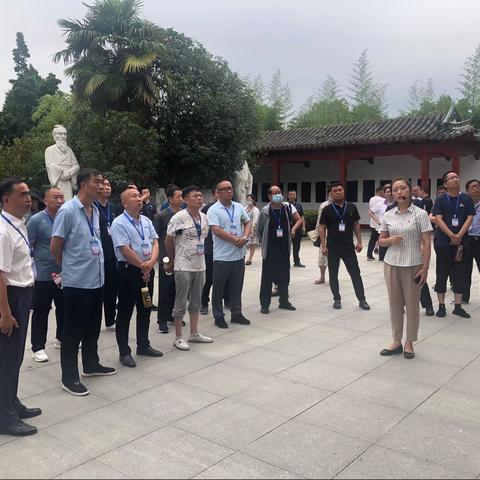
pixel 39 229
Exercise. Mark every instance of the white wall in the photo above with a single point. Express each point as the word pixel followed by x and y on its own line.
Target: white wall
pixel 383 168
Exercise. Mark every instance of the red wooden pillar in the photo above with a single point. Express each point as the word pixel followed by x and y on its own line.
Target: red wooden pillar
pixel 456 162
pixel 277 166
pixel 425 171
pixel 342 168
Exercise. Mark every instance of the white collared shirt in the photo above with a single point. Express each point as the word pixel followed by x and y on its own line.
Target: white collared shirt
pixel 15 258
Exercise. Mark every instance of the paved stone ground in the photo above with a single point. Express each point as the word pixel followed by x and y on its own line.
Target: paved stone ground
pixel 302 394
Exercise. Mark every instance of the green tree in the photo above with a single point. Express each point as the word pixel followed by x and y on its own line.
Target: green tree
pixel 111 53
pixel 205 116
pixel 53 110
pixel 421 98
pixel 327 108
pixel 470 82
pixel 367 97
pixel 20 55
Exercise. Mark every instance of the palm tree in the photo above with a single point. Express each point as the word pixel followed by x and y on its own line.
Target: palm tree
pixel 111 53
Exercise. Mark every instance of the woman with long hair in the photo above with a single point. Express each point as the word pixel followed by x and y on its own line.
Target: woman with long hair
pixel 406 231
pixel 253 212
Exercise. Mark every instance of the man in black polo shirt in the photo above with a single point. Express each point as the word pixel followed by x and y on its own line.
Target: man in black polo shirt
pixel 297 239
pixel 340 219
pixel 107 214
pixel 425 202
pixel 166 283
pixel 453 215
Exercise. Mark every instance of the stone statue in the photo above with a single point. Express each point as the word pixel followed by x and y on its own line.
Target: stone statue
pixel 242 184
pixel 62 166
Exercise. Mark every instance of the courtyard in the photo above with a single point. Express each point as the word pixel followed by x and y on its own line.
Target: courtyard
pixel 300 394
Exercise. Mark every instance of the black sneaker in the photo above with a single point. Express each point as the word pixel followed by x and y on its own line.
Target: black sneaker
pixel 442 311
pixel 221 323
pixel 458 310
pixel 364 305
pixel 76 389
pixel 337 304
pixel 163 328
pixel 99 371
pixel 241 320
pixel 204 310
pixel 265 310
pixel 429 312
pixel 287 306
pixel 299 265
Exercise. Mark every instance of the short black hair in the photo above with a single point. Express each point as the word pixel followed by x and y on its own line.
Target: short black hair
pixel 379 189
pixel 473 180
pixel 337 184
pixel 190 188
pixel 446 174
pixel 292 190
pixel 404 180
pixel 171 189
pixel 221 181
pixel 85 174
pixel 7 186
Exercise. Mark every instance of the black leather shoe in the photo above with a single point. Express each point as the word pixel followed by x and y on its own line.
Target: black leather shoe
pixel 241 320
pixel 265 310
pixel 429 312
pixel 18 429
pixel 442 311
pixel 24 412
pixel 458 310
pixel 221 323
pixel 149 352
pixel 337 304
pixel 299 265
pixel 287 306
pixel 409 355
pixel 163 328
pixel 388 353
pixel 128 361
pixel 364 305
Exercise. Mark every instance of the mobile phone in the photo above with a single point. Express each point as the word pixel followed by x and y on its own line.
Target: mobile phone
pixel 417 279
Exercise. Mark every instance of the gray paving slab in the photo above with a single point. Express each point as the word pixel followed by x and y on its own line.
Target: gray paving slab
pixel 379 462
pixel 301 346
pixel 254 335
pixel 306 450
pixel 357 418
pixel 446 444
pixel 239 466
pixel 92 470
pixel 166 453
pixel 465 382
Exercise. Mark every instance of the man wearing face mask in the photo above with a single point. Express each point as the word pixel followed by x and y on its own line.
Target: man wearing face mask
pixel 277 225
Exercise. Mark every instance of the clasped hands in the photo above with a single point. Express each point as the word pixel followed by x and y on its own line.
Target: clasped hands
pixel 146 268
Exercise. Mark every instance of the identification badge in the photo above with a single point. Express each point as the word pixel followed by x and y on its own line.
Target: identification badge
pixel 95 247
pixel 455 222
pixel 146 251
pixel 200 249
pixel 233 230
pixel 341 227
pixel 279 232
pixel 109 230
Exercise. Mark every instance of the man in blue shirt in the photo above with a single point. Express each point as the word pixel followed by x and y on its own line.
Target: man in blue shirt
pixel 231 228
pixel 136 248
pixel 473 253
pixel 46 290
pixel 77 247
pixel 453 214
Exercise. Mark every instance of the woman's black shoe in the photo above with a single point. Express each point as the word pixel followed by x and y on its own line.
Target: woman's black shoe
pixel 409 355
pixel 388 353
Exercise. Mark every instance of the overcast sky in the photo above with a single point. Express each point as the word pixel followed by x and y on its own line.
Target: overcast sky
pixel 407 40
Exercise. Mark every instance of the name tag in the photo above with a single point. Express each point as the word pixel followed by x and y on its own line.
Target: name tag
pixel 233 230
pixel 341 227
pixel 280 232
pixel 200 249
pixel 146 250
pixel 455 222
pixel 95 247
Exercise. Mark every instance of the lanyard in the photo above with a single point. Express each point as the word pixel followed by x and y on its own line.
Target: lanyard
pixel 108 216
pixel 19 232
pixel 278 219
pixel 90 225
pixel 232 216
pixel 198 226
pixel 456 206
pixel 49 217
pixel 338 214
pixel 139 231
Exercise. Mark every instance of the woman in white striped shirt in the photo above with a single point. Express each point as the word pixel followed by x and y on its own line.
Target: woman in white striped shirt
pixel 406 231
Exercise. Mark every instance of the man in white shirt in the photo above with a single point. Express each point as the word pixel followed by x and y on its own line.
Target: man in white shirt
pixel 374 222
pixel 16 291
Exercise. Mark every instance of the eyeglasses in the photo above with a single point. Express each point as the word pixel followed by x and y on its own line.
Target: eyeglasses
pixel 226 189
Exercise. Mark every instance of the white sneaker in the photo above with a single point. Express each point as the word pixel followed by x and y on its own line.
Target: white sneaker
pixel 40 356
pixel 181 344
pixel 199 338
pixel 57 344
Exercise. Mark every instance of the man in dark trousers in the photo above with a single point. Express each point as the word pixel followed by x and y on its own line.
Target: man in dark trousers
pixel 149 210
pixel 107 214
pixel 277 225
pixel 453 214
pixel 473 189
pixel 340 219
pixel 16 291
pixel 297 238
pixel 166 283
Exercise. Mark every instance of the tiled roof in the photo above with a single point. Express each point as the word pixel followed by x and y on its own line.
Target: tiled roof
pixel 395 130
